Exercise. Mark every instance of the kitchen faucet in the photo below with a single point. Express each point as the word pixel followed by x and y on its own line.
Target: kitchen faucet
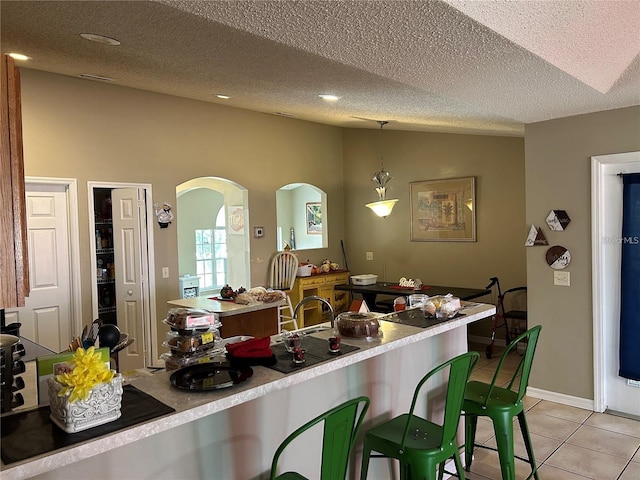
pixel 314 297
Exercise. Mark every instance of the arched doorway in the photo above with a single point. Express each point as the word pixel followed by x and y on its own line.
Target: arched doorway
pixel 213 240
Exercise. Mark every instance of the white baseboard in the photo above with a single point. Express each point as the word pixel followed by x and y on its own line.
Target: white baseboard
pixel 556 397
pixel 561 398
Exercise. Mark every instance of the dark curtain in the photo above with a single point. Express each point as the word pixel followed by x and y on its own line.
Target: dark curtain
pixel 630 284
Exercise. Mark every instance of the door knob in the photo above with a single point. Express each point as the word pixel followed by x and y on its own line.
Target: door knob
pixel 129 292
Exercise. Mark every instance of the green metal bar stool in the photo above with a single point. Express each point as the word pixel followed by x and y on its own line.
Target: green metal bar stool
pixel 419 444
pixel 341 426
pixel 502 405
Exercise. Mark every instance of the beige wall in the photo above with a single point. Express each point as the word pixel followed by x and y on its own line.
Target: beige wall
pixel 498 165
pixel 92 131
pixel 558 176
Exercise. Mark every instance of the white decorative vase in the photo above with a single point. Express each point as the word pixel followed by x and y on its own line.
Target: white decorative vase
pixel 101 406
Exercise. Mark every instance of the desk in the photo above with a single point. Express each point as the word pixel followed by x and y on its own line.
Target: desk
pixel 369 292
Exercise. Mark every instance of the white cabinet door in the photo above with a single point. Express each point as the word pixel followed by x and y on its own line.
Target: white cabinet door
pixel 128 212
pixel 46 316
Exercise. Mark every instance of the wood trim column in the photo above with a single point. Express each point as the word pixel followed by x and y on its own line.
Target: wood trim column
pixel 14 265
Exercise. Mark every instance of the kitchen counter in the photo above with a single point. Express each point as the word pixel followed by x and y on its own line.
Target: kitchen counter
pixel 233 433
pixel 257 320
pixel 222 307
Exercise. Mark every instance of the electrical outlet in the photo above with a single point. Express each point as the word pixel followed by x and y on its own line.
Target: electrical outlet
pixel 369 255
pixel 165 272
pixel 562 278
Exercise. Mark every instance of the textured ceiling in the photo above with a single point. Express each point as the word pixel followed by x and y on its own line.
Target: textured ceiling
pixel 485 67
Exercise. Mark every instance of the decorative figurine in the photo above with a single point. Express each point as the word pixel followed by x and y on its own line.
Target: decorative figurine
pixel 164 214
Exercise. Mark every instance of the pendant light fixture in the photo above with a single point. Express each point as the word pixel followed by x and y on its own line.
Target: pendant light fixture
pixel 382 207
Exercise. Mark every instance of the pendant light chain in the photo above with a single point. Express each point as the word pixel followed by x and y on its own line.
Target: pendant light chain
pixel 382 124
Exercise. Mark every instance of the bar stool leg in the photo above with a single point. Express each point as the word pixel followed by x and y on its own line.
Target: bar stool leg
pixel 527 444
pixel 503 427
pixel 470 425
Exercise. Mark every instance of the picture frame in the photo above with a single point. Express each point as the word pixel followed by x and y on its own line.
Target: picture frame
pixel 314 218
pixel 443 210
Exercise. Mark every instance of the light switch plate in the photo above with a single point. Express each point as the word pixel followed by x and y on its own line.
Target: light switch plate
pixel 369 255
pixel 165 272
pixel 562 278
pixel 258 232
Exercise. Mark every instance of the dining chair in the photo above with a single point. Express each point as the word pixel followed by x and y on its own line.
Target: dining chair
pixel 502 404
pixel 284 268
pixel 421 445
pixel 340 430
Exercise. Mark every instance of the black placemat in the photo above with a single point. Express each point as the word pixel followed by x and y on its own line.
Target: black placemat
pixel 416 318
pixel 317 352
pixel 31 433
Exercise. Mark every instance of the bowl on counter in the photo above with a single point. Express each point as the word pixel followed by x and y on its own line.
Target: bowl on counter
pixel 358 325
pixel 365 279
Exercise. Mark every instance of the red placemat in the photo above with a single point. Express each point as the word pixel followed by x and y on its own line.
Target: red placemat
pixel 220 299
pixel 398 287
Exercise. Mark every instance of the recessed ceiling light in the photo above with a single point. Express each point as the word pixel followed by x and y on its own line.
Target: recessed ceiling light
pixel 223 97
pixel 19 56
pixel 328 97
pixel 88 76
pixel 100 38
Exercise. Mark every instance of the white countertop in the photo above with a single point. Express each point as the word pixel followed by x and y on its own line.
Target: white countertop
pixel 192 406
pixel 221 307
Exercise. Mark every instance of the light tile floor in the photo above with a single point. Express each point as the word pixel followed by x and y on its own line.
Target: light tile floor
pixel 569 443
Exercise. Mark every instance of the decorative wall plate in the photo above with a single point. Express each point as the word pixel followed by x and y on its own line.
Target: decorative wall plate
pixel 535 237
pixel 558 220
pixel 558 257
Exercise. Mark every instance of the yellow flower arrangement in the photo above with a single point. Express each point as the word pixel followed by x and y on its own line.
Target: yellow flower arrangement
pixel 88 371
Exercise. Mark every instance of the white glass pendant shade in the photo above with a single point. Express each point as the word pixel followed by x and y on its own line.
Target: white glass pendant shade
pixel 382 208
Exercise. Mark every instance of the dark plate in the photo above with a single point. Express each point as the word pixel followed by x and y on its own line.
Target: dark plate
pixel 204 377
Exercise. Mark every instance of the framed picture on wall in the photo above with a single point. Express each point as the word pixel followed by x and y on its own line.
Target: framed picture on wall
pixel 443 210
pixel 314 218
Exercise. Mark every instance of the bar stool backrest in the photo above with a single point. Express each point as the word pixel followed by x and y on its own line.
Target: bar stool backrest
pixel 341 426
pixel 520 379
pixel 459 370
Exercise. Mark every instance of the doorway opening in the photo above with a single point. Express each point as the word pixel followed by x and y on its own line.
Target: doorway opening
pixel 123 286
pixel 611 392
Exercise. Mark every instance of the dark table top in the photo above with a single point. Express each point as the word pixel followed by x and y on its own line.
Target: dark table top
pixel 33 350
pixel 387 288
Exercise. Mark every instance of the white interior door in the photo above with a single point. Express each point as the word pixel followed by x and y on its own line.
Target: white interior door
pixel 46 317
pixel 128 218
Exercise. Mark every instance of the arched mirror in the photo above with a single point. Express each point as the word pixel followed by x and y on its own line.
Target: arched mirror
pixel 301 217
pixel 213 240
